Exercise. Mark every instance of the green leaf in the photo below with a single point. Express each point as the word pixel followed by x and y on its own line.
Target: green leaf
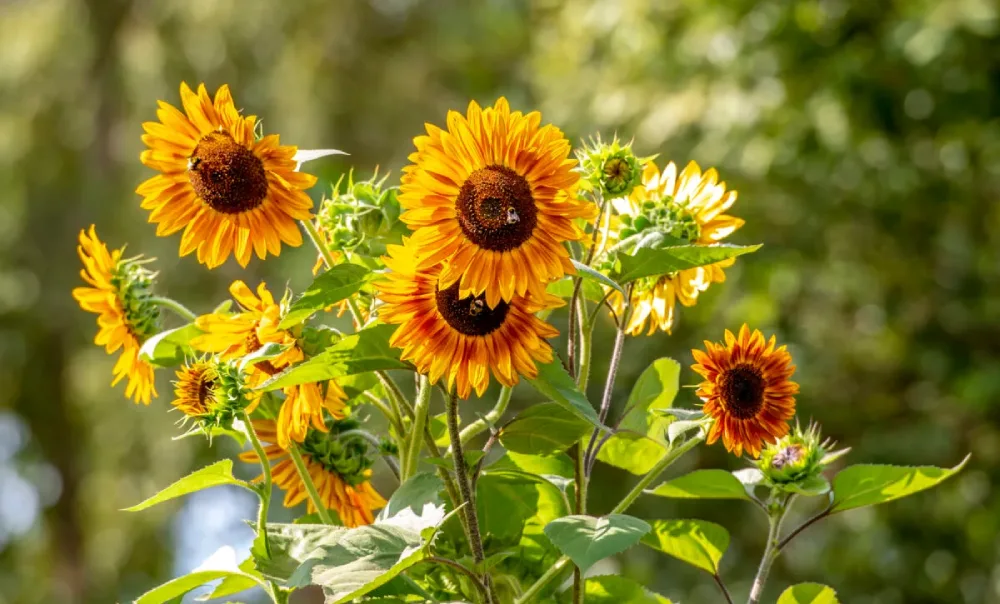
pixel 651 262
pixel 170 348
pixel 234 584
pixel 612 589
pixel 264 353
pixel 171 590
pixel 656 387
pixel 554 382
pixel 808 593
pixel 861 485
pixel 217 474
pixel 331 287
pixel 505 501
pixel 541 465
pixel 588 539
pixel 703 484
pixel 679 428
pixel 420 489
pixel 634 453
pixel 346 563
pixel 697 542
pixel 367 350
pixel 810 487
pixel 544 429
pixel 471 459
pixel 563 288
pixel 589 273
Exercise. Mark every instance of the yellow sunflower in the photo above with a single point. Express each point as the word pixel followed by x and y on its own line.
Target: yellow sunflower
pixel 461 337
pixel 237 335
pixel 340 471
pixel 118 294
pixel 747 390
pixel 194 390
pixel 689 206
pixel 230 192
pixel 494 196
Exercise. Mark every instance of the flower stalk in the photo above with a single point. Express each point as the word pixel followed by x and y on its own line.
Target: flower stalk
pixel 307 481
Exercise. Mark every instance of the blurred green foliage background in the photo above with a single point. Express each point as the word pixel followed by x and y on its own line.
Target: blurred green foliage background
pixel 863 138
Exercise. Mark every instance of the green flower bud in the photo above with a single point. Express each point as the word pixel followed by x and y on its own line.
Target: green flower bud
pixel 796 457
pixel 611 167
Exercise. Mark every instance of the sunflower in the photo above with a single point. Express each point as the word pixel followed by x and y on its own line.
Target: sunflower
pixel 747 390
pixel 338 466
pixel 445 333
pixel 494 195
pixel 119 295
pixel 195 389
pixel 230 192
pixel 690 207
pixel 235 336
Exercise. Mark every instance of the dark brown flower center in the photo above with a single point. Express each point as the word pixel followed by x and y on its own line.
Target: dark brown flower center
pixel 205 394
pixel 742 390
pixel 470 315
pixel 226 175
pixel 496 209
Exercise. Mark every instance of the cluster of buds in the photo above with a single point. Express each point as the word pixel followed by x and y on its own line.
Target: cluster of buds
pixel 360 216
pixel 611 168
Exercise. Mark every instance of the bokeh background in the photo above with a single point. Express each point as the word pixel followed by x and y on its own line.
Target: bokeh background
pixel 863 138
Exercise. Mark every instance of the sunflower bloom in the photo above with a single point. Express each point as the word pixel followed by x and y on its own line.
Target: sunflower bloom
pixel 231 193
pixel 195 389
pixel 340 471
pixel 746 390
pixel 461 338
pixel 689 206
pixel 494 196
pixel 118 294
pixel 235 336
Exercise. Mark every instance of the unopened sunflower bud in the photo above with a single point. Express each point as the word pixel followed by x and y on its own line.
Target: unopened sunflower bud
pixel 211 393
pixel 796 457
pixel 362 214
pixel 611 167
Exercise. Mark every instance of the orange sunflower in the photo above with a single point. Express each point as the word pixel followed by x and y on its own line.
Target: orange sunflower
pixel 447 334
pixel 230 192
pixel 494 196
pixel 237 335
pixel 119 295
pixel 339 468
pixel 747 390
pixel 689 206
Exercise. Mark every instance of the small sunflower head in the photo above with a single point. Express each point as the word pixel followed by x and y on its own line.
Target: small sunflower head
pixel 134 284
pixel 797 457
pixel 360 215
pixel 341 450
pixel 612 168
pixel 212 392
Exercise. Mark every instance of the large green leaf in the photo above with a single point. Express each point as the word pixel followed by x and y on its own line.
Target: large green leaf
pixel 367 350
pixel 697 542
pixel 861 485
pixel 235 583
pixel 172 590
pixel 334 285
pixel 612 589
pixel 419 490
pixel 346 563
pixel 650 262
pixel 217 474
pixel 588 539
pixel 587 272
pixel 554 382
pixel 544 429
pixel 170 348
pixel 564 289
pixel 808 593
pixel 505 501
pixel 703 484
pixel 632 452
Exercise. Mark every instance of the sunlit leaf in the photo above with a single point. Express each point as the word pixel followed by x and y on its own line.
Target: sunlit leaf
pixel 217 474
pixel 544 429
pixel 170 348
pixel 697 542
pixel 174 589
pixel 588 539
pixel 367 350
pixel 703 484
pixel 330 287
pixel 612 589
pixel 861 485
pixel 651 262
pixel 808 593
pixel 810 487
pixel 554 382
pixel 420 489
pixel 634 453
pixel 594 275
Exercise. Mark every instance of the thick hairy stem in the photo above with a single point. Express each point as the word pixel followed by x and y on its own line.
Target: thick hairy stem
pixel 307 481
pixel 464 486
pixel 771 552
pixel 412 456
pixel 179 309
pixel 264 491
pixel 571 344
pixel 580 501
pixel 493 416
pixel 609 385
pixel 314 236
pixel 586 345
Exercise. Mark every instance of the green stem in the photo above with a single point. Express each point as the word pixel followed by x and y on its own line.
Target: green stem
pixel 462 569
pixel 586 345
pixel 396 396
pixel 771 551
pixel 300 466
pixel 182 311
pixel 493 416
pixel 411 458
pixel 530 596
pixel 264 492
pixel 580 476
pixel 318 242
pixel 383 406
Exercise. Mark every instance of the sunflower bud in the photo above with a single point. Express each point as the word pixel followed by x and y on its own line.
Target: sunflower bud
pixel 341 450
pixel 212 393
pixel 797 457
pixel 362 217
pixel 611 167
pixel 134 284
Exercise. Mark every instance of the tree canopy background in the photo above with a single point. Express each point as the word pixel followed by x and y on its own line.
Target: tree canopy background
pixel 863 138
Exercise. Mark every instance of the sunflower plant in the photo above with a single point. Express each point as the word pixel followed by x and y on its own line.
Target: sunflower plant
pixel 451 278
